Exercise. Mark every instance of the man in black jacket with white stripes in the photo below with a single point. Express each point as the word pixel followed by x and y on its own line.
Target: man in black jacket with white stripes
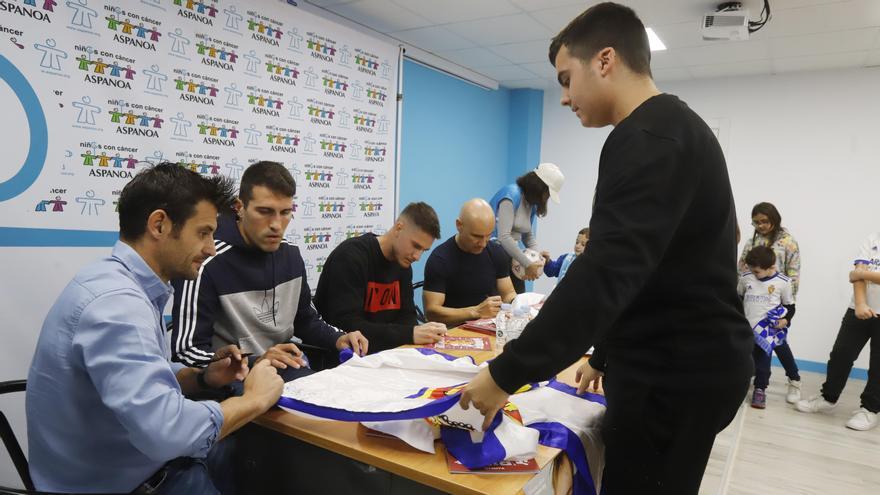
pixel 253 293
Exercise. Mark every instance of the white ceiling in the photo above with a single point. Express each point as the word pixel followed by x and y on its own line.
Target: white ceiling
pixel 507 40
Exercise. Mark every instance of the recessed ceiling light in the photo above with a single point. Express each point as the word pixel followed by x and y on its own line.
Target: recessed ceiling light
pixel 654 41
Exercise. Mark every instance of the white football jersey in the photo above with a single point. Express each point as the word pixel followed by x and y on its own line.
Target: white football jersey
pixel 760 296
pixel 869 255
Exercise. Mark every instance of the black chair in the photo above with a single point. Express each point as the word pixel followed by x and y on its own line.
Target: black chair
pixel 420 315
pixel 13 447
pixel 9 440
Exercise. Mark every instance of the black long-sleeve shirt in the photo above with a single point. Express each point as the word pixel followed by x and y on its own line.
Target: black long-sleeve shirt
pixel 656 290
pixel 361 290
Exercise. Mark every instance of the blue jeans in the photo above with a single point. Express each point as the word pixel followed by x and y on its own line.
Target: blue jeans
pixel 210 476
pixel 762 364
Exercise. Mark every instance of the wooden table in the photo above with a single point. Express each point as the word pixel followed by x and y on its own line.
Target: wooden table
pixel 394 456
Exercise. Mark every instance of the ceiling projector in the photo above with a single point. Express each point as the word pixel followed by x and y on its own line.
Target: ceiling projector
pixel 730 22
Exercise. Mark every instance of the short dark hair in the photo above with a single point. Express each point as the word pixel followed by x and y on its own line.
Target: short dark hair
pixel 268 174
pixel 773 215
pixel 762 257
pixel 423 216
pixel 603 25
pixel 173 189
pixel 584 231
pixel 535 191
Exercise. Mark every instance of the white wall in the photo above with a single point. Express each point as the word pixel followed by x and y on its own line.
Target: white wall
pixel 806 142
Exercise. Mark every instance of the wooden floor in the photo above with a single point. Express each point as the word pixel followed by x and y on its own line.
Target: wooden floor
pixel 779 450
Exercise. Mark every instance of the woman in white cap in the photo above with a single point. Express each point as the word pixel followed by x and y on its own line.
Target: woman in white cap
pixel 517 207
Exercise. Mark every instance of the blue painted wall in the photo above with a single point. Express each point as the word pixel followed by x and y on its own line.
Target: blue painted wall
pixel 460 142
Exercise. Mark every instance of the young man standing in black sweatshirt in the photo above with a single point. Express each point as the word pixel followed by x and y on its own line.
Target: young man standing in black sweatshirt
pixel 366 282
pixel 657 288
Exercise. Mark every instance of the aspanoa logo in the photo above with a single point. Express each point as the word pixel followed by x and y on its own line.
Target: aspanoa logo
pixel 134 119
pixel 321 47
pixel 264 101
pixel 282 70
pixel 334 84
pixel 105 68
pixel 217 53
pixel 366 62
pixel 317 238
pixel 331 208
pixel 132 29
pixel 203 11
pixel 29 9
pixel 375 151
pixel 333 146
pixel 108 161
pixel 217 130
pixel 264 29
pixel 283 139
pixel 195 88
pixel 200 165
pixel 362 181
pixel 321 113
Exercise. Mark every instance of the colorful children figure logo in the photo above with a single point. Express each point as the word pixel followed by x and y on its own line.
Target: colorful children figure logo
pixel 130 118
pixel 366 62
pixel 190 86
pixel 320 112
pixel 48 5
pixel 282 139
pixel 214 130
pixel 334 84
pixel 329 206
pixel 258 26
pixel 138 31
pixel 200 7
pixel 98 66
pixel 328 145
pixel 321 47
pixel 282 70
pixel 368 206
pixel 57 204
pixel 211 51
pixel 260 100
pixel 203 168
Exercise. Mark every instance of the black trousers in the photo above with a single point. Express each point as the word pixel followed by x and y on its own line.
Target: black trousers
pixel 851 339
pixel 659 432
pixel 763 362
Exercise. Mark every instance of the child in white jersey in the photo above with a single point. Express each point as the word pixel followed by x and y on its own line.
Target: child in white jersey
pixel 860 324
pixel 769 306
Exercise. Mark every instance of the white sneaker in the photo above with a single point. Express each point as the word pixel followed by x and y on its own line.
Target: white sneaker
pixel 815 404
pixel 794 391
pixel 862 420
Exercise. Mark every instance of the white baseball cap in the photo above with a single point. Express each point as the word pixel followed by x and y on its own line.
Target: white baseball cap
pixel 552 176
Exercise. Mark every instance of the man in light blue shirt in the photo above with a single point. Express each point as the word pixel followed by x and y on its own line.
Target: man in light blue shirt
pixel 107 411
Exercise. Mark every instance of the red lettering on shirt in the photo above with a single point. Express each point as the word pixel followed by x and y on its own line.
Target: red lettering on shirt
pixel 382 297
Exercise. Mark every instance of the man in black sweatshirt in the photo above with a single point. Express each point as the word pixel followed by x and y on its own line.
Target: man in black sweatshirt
pixel 657 288
pixel 366 282
pixel 253 293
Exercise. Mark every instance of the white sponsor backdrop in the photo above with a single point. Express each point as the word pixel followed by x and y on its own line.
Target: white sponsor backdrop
pixel 109 87
pixel 93 91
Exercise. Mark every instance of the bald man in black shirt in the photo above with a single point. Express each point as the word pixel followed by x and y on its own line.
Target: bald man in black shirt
pixel 468 276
